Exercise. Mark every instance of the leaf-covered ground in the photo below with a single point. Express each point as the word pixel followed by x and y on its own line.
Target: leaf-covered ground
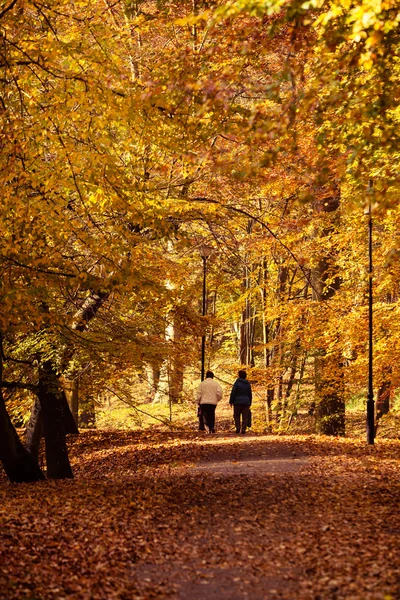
pixel 191 517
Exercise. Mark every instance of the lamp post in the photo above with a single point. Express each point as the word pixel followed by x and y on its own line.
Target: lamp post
pixel 370 397
pixel 205 252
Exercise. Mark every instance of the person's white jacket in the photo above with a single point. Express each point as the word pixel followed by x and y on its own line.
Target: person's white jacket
pixel 209 392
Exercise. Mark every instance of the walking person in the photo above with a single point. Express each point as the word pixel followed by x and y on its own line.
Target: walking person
pixel 208 394
pixel 240 399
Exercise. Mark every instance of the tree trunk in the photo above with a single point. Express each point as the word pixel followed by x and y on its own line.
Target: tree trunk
pixel 162 395
pixel 57 422
pixel 247 326
pixel 384 396
pixel 329 403
pixel 176 364
pixel 153 378
pixel 383 399
pixel 18 464
pixel 290 382
pixel 34 430
pixel 87 417
pixel 74 402
pixel 86 313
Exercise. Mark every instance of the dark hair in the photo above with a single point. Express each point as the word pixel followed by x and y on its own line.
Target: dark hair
pixel 210 374
pixel 242 374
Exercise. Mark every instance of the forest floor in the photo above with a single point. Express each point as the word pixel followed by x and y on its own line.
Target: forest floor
pixel 189 516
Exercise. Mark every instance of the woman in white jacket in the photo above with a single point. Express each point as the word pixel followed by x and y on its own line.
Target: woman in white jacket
pixel 208 394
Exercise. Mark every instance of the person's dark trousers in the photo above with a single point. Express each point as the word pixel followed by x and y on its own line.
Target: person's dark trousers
pixel 241 409
pixel 201 420
pixel 208 411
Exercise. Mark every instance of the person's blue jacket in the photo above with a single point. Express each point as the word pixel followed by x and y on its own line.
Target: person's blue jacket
pixel 241 392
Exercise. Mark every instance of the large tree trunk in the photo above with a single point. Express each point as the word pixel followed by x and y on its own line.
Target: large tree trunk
pixel 329 402
pixel 57 422
pixel 18 464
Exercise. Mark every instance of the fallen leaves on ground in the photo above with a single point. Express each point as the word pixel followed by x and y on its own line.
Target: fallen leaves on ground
pixel 141 521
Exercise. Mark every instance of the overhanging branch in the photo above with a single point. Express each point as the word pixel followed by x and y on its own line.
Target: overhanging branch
pixel 12 385
pixel 7 8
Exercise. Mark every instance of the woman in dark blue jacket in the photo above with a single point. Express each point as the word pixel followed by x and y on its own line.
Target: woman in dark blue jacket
pixel 240 399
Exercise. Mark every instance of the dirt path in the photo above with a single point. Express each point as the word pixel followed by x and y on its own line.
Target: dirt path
pixel 245 460
pixel 186 517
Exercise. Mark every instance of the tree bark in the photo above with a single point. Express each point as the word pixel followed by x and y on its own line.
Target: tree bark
pixel 18 464
pixel 57 422
pixel 384 396
pixel 34 430
pixel 87 417
pixel 329 392
pixel 86 313
pixel 247 326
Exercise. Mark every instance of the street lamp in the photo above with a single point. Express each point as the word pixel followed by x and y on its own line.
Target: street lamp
pixel 370 397
pixel 205 252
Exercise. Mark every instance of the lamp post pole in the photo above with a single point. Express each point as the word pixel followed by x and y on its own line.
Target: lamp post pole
pixel 203 339
pixel 205 252
pixel 370 397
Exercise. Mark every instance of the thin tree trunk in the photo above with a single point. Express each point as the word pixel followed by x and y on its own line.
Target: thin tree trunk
pixel 289 385
pixel 301 375
pixel 384 396
pixel 247 326
pixel 176 370
pixel 153 378
pixel 86 313
pixel 34 430
pixel 87 417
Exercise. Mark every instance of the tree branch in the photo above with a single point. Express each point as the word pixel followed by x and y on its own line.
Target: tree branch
pixel 10 385
pixel 7 8
pixel 37 269
pixel 263 224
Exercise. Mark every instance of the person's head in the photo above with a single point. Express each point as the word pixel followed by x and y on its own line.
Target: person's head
pixel 209 374
pixel 242 374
